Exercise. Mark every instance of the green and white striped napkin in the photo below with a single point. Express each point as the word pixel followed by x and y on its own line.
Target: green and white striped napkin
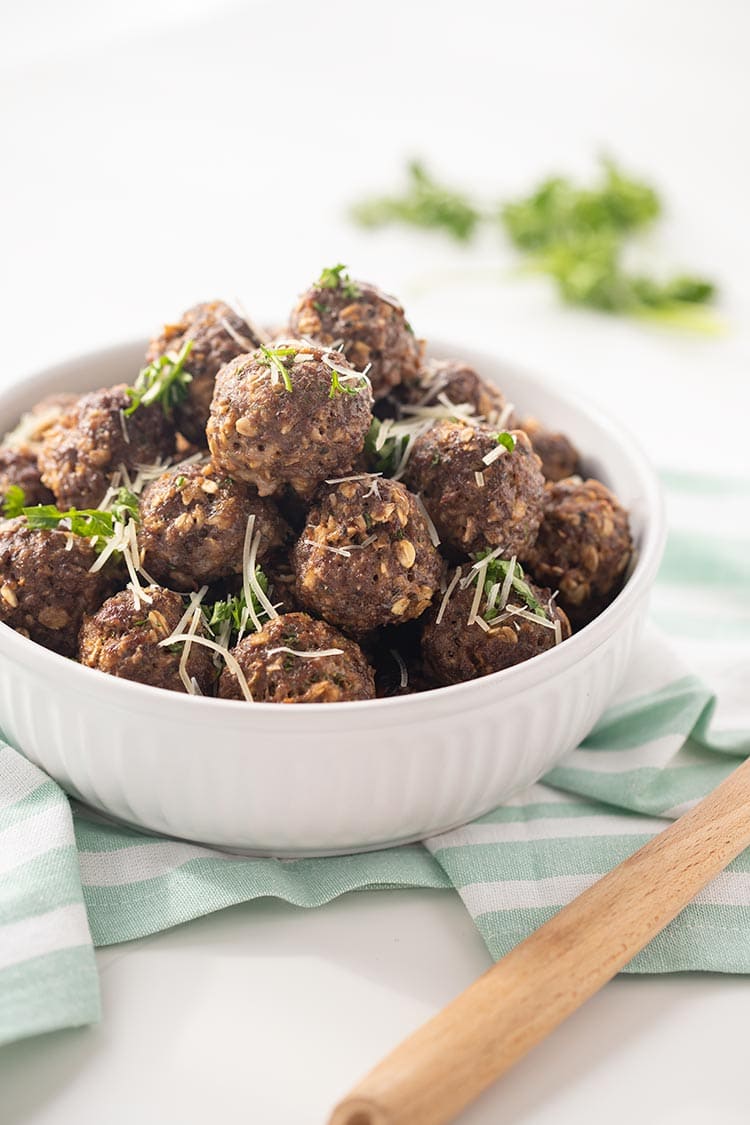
pixel 69 882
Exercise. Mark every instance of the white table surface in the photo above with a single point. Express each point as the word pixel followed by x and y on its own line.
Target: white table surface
pixel 162 152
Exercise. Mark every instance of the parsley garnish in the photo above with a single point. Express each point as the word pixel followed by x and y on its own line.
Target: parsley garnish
pixel 507 440
pixel 165 381
pixel 339 388
pixel 233 609
pixel 497 572
pixel 574 235
pixel 13 505
pixel 336 277
pixel 425 203
pixel 98 524
pixel 180 482
pixel 274 358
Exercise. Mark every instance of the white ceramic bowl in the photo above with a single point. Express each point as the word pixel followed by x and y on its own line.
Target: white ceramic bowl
pixel 315 779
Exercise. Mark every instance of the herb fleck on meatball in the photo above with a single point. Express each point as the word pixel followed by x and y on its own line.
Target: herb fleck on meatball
pixel 193 524
pixel 365 558
pixel 94 438
pixel 218 334
pixel 123 639
pixel 476 505
pixel 46 584
pixel 454 650
pixel 369 325
pixel 276 675
pixel 291 414
pixel 583 546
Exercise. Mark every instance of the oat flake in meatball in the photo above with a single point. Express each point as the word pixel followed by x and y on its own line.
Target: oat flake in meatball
pixel 459 383
pixel 218 334
pixel 123 639
pixel 476 505
pixel 583 546
pixel 46 584
pixel 275 675
pixel 558 455
pixel 455 651
pixel 292 414
pixel 94 438
pixel 369 324
pixel 193 524
pixel 365 557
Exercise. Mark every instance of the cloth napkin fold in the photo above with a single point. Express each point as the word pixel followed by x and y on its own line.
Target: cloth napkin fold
pixel 70 881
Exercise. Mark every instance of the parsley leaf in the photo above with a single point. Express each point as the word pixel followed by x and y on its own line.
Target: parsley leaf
pixel 425 203
pixel 507 440
pixel 231 614
pixel 336 277
pixel 13 505
pixel 274 359
pixel 165 381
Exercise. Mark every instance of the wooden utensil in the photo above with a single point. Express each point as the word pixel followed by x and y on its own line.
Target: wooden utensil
pixel 457 1054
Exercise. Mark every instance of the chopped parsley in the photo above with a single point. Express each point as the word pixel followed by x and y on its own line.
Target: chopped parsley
pixel 424 203
pixel 15 499
pixel 180 482
pixel 495 573
pixel 97 524
pixel 507 440
pixel 231 614
pixel 338 387
pixel 275 359
pixel 336 277
pixel 165 381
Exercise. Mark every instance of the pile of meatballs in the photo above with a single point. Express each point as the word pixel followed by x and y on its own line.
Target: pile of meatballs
pixel 382 489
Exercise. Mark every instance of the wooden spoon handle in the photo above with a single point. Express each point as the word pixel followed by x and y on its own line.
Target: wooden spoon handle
pixel 457 1054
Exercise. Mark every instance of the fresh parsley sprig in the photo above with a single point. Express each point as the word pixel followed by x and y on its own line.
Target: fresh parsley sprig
pixel 506 440
pixel 97 524
pixel 274 358
pixel 425 203
pixel 14 502
pixel 165 381
pixel 336 277
pixel 344 388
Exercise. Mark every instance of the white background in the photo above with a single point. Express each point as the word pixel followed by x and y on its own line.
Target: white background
pixel 161 152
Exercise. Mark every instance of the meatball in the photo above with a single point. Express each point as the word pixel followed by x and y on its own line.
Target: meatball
pixel 218 334
pixel 46 584
pixel 370 326
pixel 275 675
pixel 123 639
pixel 558 454
pixel 475 505
pixel 459 383
pixel 193 524
pixel 94 438
pixel 583 546
pixel 455 651
pixel 293 414
pixel 19 467
pixel 365 558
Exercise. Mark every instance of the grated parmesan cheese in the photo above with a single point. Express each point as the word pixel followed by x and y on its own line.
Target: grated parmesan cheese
pixel 230 660
pixel 306 655
pixel 431 529
pixel 447 595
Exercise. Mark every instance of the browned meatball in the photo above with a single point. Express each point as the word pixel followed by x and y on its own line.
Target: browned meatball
pixel 94 438
pixel 19 467
pixel 46 584
pixel 193 524
pixel 558 454
pixel 459 383
pixel 369 324
pixel 583 546
pixel 123 639
pixel 455 651
pixel 277 676
pixel 294 414
pixel 472 504
pixel 218 334
pixel 365 558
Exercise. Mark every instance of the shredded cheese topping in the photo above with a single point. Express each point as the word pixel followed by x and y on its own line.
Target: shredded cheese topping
pixel 447 595
pixel 307 655
pixel 431 529
pixel 231 661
